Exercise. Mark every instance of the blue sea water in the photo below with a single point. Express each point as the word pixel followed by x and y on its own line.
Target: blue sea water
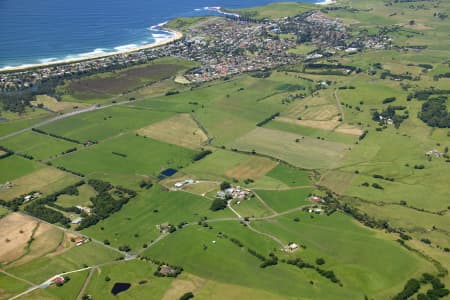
pixel 51 30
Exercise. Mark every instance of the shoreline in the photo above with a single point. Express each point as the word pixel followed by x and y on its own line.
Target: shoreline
pixel 175 35
pixel 327 2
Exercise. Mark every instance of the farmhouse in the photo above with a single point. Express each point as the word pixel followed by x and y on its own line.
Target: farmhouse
pixel 316 199
pixel 84 209
pixel 291 247
pixel 59 280
pixel 181 184
pixel 80 241
pixel 77 220
pixel 434 152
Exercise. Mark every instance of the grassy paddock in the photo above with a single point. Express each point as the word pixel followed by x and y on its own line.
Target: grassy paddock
pixel 307 152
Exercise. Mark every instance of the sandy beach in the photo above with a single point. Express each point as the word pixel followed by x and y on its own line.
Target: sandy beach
pixel 327 2
pixel 176 35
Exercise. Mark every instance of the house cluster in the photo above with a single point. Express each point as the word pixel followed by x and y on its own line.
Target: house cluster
pixel 31 196
pixel 234 192
pixel 385 120
pixel 165 227
pixel 223 47
pixel 181 184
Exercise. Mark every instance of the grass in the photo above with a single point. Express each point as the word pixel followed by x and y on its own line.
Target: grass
pixel 276 10
pixel 307 153
pixel 252 168
pixel 226 263
pixel 55 105
pixel 290 176
pixel 284 200
pixel 45 180
pixel 179 130
pixel 348 250
pixel 69 289
pixel 329 135
pixel 45 267
pixel 228 165
pixel 369 263
pixel 39 146
pixel 85 193
pixel 138 273
pixel 251 208
pixel 302 49
pixel 17 122
pixel 17 167
pixel 102 124
pixel 142 156
pixel 3 211
pixel 10 286
pixel 136 223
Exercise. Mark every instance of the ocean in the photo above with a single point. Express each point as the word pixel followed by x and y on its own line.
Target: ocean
pixel 43 31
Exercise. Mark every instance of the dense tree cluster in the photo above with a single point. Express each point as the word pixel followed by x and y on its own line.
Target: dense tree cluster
pixel 37 130
pixel 104 204
pixel 6 153
pixel 268 119
pixel 413 285
pixel 390 113
pixel 434 112
pixel 218 204
pixel 46 214
pixel 200 155
pixel 325 273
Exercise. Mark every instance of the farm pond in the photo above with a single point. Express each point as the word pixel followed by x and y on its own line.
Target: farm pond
pixel 120 287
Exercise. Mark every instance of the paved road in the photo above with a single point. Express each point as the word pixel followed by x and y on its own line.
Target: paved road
pixel 67 115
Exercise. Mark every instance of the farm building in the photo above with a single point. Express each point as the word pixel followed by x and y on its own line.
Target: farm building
pixel 291 247
pixel 77 220
pixel 80 241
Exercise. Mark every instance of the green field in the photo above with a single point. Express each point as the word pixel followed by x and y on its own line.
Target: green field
pixel 16 166
pixel 143 156
pixel 103 124
pixel 45 267
pixel 284 200
pixel 136 224
pixel 85 193
pixel 38 145
pixel 296 132
pixel 307 153
pixel 138 273
pixel 290 176
pixel 331 136
pixel 345 247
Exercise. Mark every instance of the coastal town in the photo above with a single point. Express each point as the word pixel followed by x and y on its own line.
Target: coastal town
pixel 223 47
